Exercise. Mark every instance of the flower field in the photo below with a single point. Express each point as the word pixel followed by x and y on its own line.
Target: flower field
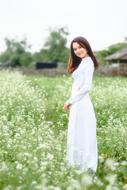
pixel 33 132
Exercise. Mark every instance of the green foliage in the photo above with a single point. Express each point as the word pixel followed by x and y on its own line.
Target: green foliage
pixel 54 47
pixel 16 53
pixel 115 47
pixel 101 55
pixel 33 134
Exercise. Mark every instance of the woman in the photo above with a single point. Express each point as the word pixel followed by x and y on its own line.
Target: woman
pixel 81 139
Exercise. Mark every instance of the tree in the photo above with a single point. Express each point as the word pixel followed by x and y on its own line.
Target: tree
pixel 55 46
pixel 101 55
pixel 115 47
pixel 16 53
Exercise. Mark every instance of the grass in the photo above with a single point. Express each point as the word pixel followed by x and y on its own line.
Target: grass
pixel 33 132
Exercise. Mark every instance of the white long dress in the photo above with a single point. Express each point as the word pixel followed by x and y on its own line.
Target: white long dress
pixel 81 137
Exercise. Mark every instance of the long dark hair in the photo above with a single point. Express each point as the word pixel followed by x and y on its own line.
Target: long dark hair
pixel 74 60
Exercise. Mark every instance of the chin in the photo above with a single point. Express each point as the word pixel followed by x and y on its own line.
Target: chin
pixel 82 57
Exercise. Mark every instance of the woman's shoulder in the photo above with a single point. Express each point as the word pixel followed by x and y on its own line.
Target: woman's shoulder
pixel 87 62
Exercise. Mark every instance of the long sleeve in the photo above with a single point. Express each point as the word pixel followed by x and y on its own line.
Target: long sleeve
pixel 87 83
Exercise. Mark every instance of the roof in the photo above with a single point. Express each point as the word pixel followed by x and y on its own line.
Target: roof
pixel 119 55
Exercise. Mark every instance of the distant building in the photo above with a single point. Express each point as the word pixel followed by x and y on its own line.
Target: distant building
pixel 118 57
pixel 46 64
pixel 118 62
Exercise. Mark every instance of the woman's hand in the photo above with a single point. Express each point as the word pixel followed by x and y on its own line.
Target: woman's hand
pixel 67 106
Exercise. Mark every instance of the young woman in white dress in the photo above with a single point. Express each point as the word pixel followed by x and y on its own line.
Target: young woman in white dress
pixel 82 150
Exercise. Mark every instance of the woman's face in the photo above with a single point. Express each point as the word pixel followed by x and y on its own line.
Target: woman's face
pixel 79 50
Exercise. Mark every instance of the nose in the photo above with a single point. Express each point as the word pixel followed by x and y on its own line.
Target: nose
pixel 78 50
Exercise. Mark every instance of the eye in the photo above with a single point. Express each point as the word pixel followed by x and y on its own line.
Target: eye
pixel 79 47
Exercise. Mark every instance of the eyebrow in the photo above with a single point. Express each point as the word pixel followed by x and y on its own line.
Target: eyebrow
pixel 77 47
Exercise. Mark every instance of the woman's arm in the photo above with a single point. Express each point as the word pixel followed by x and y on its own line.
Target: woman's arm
pixel 88 75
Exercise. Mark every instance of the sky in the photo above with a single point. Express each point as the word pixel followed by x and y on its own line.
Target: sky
pixel 101 22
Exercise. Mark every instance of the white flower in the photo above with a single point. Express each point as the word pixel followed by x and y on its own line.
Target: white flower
pixel 110 164
pixel 125 187
pixel 111 179
pixel 19 166
pixel 86 180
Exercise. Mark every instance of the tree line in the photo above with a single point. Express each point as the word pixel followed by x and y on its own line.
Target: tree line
pixel 17 52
